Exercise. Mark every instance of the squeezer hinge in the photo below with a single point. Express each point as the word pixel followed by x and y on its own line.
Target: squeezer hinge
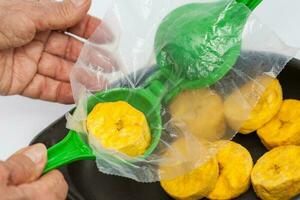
pixel 251 4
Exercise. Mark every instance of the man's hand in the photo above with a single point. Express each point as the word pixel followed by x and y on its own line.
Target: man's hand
pixel 34 60
pixel 20 177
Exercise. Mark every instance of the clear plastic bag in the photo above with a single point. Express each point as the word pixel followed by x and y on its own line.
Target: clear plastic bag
pixel 126 51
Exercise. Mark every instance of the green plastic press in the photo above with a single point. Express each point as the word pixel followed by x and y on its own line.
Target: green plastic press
pixel 196 45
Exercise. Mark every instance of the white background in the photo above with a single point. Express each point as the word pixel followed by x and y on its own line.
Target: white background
pixel 21 119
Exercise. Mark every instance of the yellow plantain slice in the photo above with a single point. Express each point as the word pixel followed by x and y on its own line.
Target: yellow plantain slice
pixel 276 175
pixel 120 127
pixel 195 184
pixel 200 112
pixel 235 166
pixel 284 128
pixel 246 112
pixel 192 181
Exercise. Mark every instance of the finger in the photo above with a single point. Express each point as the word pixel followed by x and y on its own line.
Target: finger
pixel 86 27
pixel 55 67
pixel 27 165
pixel 64 46
pixel 49 187
pixel 54 15
pixel 4 174
pixel 99 59
pixel 92 81
pixel 70 48
pixel 93 29
pixel 48 89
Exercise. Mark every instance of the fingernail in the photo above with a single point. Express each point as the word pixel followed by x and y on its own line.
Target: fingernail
pixel 78 2
pixel 37 153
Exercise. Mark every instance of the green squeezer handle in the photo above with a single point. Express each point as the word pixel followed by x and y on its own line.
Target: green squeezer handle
pixel 72 148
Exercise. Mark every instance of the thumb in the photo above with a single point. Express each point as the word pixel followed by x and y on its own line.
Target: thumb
pixel 55 15
pixel 26 165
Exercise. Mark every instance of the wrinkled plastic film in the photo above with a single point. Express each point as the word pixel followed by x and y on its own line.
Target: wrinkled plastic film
pixel 123 53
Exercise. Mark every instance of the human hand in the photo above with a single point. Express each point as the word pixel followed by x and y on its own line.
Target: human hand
pixel 35 61
pixel 20 177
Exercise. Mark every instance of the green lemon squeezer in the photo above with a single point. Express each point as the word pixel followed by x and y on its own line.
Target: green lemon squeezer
pixel 196 45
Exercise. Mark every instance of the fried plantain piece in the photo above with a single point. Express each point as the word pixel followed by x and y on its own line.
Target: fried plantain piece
pixel 276 175
pixel 121 127
pixel 200 112
pixel 235 166
pixel 284 128
pixel 253 105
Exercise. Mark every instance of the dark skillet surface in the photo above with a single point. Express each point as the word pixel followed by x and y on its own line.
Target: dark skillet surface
pixel 87 183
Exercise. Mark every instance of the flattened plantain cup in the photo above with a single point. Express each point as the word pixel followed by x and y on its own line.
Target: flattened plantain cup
pixel 125 129
pixel 200 112
pixel 284 128
pixel 246 112
pixel 197 181
pixel 235 166
pixel 276 175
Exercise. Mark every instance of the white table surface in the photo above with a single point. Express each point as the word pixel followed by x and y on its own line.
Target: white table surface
pixel 21 119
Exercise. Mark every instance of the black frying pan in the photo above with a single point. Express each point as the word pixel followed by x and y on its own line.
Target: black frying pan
pixel 87 183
